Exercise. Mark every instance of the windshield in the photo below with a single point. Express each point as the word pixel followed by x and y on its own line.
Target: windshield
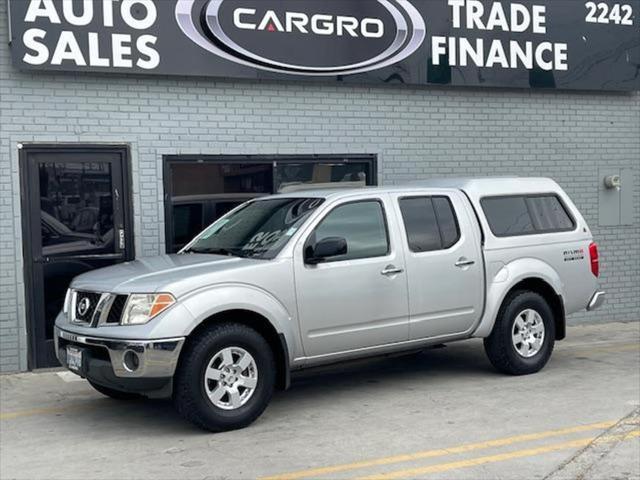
pixel 259 229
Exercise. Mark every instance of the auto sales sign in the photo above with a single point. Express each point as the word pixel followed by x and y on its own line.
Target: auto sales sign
pixel 564 44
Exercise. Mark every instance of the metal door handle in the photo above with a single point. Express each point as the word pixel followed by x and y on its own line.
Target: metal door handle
pixel 391 270
pixel 463 262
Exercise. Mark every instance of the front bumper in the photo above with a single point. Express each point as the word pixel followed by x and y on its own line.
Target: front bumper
pixel 596 301
pixel 154 359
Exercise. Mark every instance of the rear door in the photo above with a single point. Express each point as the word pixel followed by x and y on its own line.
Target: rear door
pixel 443 261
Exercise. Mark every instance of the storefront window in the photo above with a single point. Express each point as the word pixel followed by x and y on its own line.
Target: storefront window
pixel 203 189
pixel 295 176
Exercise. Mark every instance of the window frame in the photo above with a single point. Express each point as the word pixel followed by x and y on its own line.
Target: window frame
pixel 455 217
pixel 526 196
pixel 168 160
pixel 385 219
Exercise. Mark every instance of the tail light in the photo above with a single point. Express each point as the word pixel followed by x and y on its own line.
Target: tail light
pixel 593 255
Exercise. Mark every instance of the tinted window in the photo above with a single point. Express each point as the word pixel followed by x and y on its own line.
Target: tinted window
pixel 446 221
pixel 421 224
pixel 521 215
pixel 549 214
pixel 430 223
pixel 76 208
pixel 507 216
pixel 361 224
pixel 291 177
pixel 187 222
pixel 219 184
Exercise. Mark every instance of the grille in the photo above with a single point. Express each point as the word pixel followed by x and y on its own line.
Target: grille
pixel 85 307
pixel 115 312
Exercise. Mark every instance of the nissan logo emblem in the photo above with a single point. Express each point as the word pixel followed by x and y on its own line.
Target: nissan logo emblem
pixel 83 306
pixel 314 37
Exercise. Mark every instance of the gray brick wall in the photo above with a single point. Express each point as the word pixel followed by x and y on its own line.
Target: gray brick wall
pixel 416 133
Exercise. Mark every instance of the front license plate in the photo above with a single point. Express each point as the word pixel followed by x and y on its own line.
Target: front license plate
pixel 74 358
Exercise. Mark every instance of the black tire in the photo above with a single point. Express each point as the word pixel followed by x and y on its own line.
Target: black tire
pixel 499 345
pixel 115 394
pixel 189 395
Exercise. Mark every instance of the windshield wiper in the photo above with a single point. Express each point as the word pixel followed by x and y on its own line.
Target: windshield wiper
pixel 230 252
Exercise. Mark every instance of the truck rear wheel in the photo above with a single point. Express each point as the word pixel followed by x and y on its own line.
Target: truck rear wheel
pixel 225 378
pixel 523 336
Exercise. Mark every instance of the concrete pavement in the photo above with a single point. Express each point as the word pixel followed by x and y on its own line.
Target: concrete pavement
pixel 444 413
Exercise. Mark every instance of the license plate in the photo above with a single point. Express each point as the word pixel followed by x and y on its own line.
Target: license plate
pixel 74 358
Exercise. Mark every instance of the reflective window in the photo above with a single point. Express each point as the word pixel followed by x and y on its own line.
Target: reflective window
pixel 260 229
pixel 430 223
pixel 507 216
pixel 291 177
pixel 549 214
pixel 204 178
pixel 420 224
pixel 187 222
pixel 447 221
pixel 526 214
pixel 361 224
pixel 221 185
pixel 76 208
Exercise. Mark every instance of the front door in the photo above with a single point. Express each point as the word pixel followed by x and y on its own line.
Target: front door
pixel 75 220
pixel 357 299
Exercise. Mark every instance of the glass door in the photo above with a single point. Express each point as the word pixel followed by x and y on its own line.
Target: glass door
pixel 76 217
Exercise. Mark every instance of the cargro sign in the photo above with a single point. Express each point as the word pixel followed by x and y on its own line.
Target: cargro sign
pixel 564 44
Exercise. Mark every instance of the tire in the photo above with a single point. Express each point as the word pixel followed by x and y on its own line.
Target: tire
pixel 205 354
pixel 506 353
pixel 115 394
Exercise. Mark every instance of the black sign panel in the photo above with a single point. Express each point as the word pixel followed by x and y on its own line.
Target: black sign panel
pixel 564 44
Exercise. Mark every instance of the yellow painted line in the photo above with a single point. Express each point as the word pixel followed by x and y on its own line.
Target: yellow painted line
pixel 621 348
pixel 501 457
pixel 501 442
pixel 598 346
pixel 42 411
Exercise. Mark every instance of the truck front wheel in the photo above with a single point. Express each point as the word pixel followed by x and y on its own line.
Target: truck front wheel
pixel 225 378
pixel 523 336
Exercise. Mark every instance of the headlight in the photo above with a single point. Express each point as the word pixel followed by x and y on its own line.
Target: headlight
pixel 142 307
pixel 67 302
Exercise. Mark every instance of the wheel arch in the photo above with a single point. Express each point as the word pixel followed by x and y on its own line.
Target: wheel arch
pixel 546 291
pixel 524 274
pixel 264 327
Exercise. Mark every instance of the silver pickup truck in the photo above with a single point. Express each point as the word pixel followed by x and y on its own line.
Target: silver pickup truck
pixel 296 280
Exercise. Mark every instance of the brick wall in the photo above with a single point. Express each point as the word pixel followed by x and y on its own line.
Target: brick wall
pixel 416 133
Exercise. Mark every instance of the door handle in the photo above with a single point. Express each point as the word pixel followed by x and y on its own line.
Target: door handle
pixel 391 270
pixel 463 262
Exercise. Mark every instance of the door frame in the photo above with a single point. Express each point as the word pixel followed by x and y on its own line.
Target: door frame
pixel 167 160
pixel 34 311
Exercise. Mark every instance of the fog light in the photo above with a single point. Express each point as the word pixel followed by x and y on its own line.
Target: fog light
pixel 131 361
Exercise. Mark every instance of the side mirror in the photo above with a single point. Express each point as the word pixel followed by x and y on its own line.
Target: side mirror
pixel 326 248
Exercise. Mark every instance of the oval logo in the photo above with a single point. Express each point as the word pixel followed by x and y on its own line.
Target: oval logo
pixel 314 37
pixel 83 306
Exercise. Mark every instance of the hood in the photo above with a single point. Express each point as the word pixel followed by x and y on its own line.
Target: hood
pixel 174 274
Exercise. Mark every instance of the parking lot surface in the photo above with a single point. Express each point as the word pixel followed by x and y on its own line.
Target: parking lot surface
pixel 443 413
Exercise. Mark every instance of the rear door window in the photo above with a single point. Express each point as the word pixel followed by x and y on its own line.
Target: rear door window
pixel 526 214
pixel 430 223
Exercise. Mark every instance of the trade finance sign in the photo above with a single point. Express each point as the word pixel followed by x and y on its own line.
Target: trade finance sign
pixel 564 44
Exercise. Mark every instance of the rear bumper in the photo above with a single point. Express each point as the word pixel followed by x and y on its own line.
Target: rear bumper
pixel 153 358
pixel 596 301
